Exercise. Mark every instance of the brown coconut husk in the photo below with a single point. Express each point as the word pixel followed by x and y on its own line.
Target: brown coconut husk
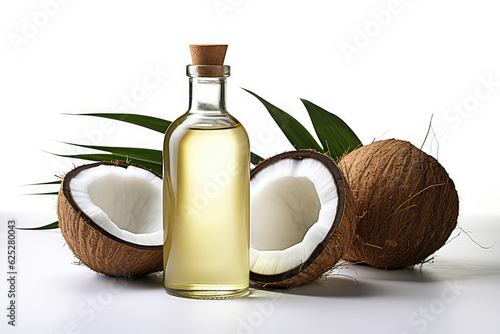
pixel 406 203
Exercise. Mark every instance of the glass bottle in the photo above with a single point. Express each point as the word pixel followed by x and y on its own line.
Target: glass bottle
pixel 206 158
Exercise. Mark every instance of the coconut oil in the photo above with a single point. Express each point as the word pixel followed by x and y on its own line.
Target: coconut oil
pixel 206 195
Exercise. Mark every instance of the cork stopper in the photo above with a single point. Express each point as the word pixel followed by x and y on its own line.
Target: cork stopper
pixel 208 54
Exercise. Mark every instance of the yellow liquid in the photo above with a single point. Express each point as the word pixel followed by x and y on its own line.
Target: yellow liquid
pixel 206 212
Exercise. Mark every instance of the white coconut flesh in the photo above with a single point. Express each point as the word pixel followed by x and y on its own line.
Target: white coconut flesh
pixel 293 204
pixel 126 202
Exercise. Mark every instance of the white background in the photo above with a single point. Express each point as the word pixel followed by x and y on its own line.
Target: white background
pixel 427 57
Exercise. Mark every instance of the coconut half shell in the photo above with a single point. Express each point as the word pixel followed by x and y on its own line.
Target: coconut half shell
pixel 97 248
pixel 340 227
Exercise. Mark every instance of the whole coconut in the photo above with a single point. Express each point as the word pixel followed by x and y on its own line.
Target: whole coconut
pixel 407 204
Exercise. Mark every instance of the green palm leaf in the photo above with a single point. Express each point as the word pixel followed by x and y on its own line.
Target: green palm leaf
pixel 255 159
pixel 114 157
pixel 44 183
pixel 143 154
pixel 48 193
pixel 149 122
pixel 295 132
pixel 45 227
pixel 335 135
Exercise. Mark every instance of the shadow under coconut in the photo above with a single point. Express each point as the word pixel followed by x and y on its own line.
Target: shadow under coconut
pixel 331 286
pixel 150 281
pixel 415 274
pixel 432 272
pixel 446 271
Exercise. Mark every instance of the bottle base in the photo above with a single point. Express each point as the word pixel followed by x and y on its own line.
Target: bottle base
pixel 208 293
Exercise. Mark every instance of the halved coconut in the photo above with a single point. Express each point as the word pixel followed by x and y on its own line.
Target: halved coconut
pixel 301 218
pixel 110 216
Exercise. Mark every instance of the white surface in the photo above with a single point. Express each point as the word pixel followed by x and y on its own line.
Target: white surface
pixel 460 291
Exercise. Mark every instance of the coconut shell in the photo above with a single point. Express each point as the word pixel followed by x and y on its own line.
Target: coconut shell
pixel 338 239
pixel 94 246
pixel 406 203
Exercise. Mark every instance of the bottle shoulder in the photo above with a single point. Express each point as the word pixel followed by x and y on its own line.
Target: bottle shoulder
pixel 225 136
pixel 205 120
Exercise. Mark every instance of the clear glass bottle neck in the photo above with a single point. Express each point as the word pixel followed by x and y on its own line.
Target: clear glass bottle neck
pixel 207 95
